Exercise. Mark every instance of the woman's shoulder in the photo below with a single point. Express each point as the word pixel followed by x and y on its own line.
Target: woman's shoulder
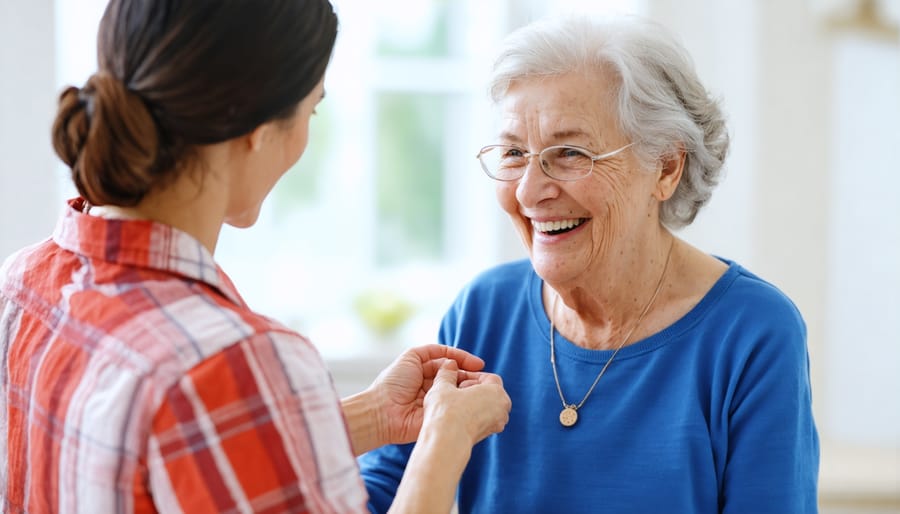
pixel 712 283
pixel 211 341
pixel 748 293
pixel 742 306
pixel 171 326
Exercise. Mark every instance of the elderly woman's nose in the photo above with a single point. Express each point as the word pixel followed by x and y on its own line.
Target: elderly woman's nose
pixel 534 185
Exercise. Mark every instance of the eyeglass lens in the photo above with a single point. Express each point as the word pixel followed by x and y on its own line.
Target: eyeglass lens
pixel 560 162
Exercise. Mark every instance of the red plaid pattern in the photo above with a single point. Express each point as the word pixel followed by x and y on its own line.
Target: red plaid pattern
pixel 135 379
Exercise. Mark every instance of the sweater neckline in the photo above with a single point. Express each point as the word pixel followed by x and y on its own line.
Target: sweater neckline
pixel 566 348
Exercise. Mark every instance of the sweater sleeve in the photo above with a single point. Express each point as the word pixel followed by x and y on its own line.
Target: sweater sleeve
pixel 382 470
pixel 772 448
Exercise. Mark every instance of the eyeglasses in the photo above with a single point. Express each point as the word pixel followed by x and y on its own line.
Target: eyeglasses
pixel 563 162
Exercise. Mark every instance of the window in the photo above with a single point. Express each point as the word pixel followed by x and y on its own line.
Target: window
pixel 364 244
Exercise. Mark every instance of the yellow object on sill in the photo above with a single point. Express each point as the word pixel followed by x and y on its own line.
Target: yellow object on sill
pixel 382 311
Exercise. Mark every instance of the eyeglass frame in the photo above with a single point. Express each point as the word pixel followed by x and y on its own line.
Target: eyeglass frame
pixel 528 155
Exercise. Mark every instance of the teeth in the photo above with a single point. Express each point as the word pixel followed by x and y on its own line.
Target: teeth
pixel 550 226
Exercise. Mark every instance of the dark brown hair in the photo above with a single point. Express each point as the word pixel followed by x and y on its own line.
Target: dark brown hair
pixel 174 74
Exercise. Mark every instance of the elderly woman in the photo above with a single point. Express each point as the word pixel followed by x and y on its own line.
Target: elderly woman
pixel 646 375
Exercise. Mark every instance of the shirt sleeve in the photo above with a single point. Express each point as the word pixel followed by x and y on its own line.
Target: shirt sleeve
pixel 772 448
pixel 256 427
pixel 382 470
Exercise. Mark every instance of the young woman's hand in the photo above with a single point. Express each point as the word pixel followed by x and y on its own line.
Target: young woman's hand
pixel 472 403
pixel 400 389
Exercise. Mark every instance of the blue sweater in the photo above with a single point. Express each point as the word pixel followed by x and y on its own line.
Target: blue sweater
pixel 712 414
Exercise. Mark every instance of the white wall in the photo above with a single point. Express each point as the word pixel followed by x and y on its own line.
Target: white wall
pixel 809 202
pixel 29 201
pixel 862 343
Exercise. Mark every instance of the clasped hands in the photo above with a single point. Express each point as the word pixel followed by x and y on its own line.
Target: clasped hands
pixel 442 385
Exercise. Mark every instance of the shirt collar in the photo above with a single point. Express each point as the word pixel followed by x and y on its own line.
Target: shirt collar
pixel 140 243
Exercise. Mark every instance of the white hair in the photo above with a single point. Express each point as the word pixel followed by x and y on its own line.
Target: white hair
pixel 662 106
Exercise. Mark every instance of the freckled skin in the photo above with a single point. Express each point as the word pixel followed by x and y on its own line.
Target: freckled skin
pixel 599 276
pixel 616 199
pixel 606 269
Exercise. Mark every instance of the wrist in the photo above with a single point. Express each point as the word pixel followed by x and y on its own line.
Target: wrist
pixel 433 470
pixel 453 439
pixel 365 423
pixel 447 428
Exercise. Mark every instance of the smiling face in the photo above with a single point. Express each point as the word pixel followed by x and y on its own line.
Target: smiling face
pixel 580 227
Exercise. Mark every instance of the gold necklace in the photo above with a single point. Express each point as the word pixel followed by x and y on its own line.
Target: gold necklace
pixel 569 414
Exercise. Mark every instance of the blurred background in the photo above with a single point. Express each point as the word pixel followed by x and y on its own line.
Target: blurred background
pixel 366 242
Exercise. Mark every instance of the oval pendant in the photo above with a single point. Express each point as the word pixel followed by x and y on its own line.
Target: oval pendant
pixel 568 416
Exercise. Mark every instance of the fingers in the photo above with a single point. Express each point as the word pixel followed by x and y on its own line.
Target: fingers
pixel 464 359
pixel 480 377
pixel 469 379
pixel 430 368
pixel 474 402
pixel 447 374
pixel 463 378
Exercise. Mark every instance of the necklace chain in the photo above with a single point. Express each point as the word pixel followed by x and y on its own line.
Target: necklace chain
pixel 569 414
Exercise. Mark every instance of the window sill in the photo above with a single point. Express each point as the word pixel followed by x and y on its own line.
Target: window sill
pixel 851 474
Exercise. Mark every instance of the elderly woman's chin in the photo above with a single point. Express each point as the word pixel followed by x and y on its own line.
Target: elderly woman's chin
pixel 556 266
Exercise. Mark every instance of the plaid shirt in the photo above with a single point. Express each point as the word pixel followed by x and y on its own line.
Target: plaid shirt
pixel 135 379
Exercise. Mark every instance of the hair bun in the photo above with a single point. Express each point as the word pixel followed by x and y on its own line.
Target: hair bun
pixel 105 133
pixel 105 86
pixel 70 128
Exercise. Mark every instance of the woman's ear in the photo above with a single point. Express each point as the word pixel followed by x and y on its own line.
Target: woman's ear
pixel 256 138
pixel 672 167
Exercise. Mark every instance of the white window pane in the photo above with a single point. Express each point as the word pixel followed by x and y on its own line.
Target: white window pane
pixel 862 358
